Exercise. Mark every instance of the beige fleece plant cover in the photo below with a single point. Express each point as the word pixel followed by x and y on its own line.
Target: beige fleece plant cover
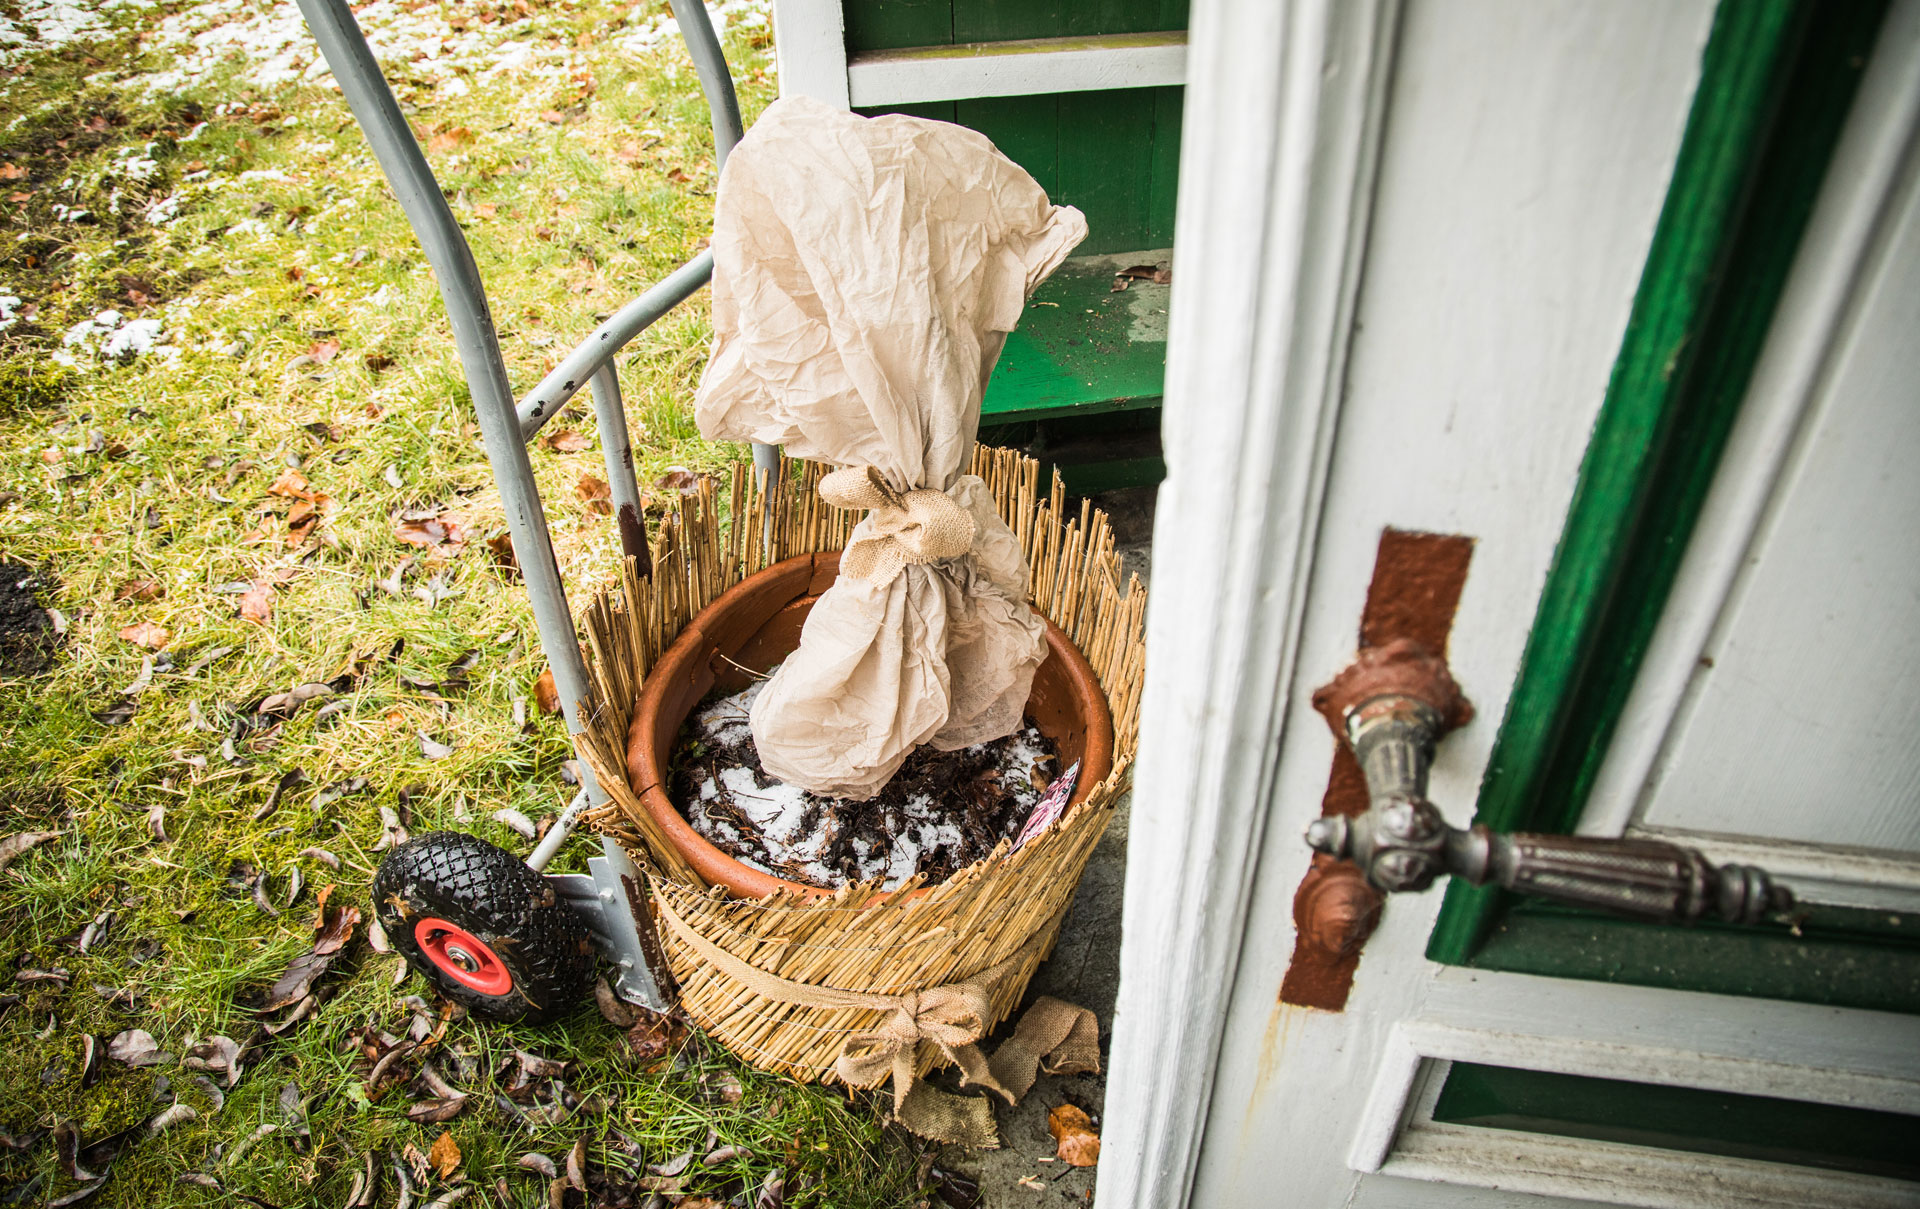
pixel 866 273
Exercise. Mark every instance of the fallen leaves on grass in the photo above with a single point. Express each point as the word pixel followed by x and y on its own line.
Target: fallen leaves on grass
pixel 567 440
pixel 539 1163
pixel 291 779
pixel 596 493
pixel 434 532
pixel 501 547
pixel 335 792
pixel 613 1009
pixel 333 928
pixel 680 479
pixel 149 634
pixel 256 603
pixel 433 749
pixel 141 591
pixel 285 705
pixel 118 714
pixel 216 1055
pixel 21 842
pixel 167 1118
pixel 520 823
pixel 652 1036
pixel 444 1154
pixel 1077 1144
pixel 291 484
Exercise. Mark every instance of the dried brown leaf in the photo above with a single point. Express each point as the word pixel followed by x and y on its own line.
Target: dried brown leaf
pixel 13 846
pixel 256 603
pixel 651 1036
pixel 615 1010
pixel 291 484
pixel 1072 1130
pixel 149 634
pixel 545 695
pixel 567 440
pixel 445 533
pixel 678 478
pixel 444 1154
pixel 144 591
pixel 597 494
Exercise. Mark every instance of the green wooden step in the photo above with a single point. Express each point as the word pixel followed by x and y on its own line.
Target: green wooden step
pixel 1081 349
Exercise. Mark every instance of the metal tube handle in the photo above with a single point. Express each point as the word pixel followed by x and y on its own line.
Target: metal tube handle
pixel 1402 843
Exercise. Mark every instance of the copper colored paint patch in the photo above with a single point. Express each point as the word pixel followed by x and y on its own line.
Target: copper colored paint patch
pixel 1417 578
pixel 752 627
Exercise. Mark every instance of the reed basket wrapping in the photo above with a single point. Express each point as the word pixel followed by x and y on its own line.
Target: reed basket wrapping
pixel 859 938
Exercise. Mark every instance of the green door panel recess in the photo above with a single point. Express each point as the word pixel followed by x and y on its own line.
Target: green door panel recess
pixel 899 24
pixel 1777 79
pixel 1681 1118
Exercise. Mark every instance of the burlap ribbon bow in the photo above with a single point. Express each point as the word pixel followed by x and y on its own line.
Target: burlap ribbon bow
pixel 907 528
pixel 1052 1035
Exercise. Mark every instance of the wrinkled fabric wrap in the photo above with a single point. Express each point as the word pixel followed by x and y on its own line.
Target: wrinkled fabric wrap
pixel 866 273
pixel 1052 1035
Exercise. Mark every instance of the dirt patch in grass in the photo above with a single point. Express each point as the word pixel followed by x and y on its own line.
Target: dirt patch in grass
pixel 27 637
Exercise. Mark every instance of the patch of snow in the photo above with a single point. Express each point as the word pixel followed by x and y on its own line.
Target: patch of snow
pixel 163 211
pixel 10 306
pixel 109 336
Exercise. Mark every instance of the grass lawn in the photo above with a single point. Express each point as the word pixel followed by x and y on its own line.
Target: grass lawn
pixel 226 385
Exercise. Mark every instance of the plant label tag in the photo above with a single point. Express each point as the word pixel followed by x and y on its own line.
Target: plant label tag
pixel 1051 805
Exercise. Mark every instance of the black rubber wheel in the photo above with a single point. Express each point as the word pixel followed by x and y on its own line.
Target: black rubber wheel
pixel 486 930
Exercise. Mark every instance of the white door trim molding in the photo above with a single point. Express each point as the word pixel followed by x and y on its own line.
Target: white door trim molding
pixel 810 50
pixel 1017 68
pixel 1283 115
pixel 1760 1047
pixel 1616 1174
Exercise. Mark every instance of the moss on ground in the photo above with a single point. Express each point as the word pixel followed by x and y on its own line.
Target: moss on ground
pixel 297 330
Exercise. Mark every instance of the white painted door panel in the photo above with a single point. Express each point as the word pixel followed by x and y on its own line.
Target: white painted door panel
pixel 1801 721
pixel 1525 149
pixel 1525 153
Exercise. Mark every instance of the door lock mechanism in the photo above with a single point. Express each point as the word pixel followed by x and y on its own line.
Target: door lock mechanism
pixel 1392 706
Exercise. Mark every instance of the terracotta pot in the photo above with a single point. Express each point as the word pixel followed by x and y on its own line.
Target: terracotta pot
pixel 752 628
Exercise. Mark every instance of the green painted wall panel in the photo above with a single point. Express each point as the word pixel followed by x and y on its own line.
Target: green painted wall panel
pixel 1168 106
pixel 1026 129
pixel 1011 20
pixel 897 24
pixel 1115 155
pixel 1106 164
pixel 939 111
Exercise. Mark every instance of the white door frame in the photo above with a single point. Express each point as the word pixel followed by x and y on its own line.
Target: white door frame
pixel 1282 122
pixel 1282 129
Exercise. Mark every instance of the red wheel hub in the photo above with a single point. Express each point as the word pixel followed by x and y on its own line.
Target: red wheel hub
pixel 462 956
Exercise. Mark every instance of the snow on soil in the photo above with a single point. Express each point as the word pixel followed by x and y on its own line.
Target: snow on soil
pixel 781 811
pixel 47 24
pixel 273 46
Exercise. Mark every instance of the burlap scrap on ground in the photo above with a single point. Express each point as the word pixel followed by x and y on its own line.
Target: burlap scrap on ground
pixel 1052 1035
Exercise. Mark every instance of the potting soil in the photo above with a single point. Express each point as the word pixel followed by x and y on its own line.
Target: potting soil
pixel 942 811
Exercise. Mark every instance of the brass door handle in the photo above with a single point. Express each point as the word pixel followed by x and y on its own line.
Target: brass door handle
pixel 1394 705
